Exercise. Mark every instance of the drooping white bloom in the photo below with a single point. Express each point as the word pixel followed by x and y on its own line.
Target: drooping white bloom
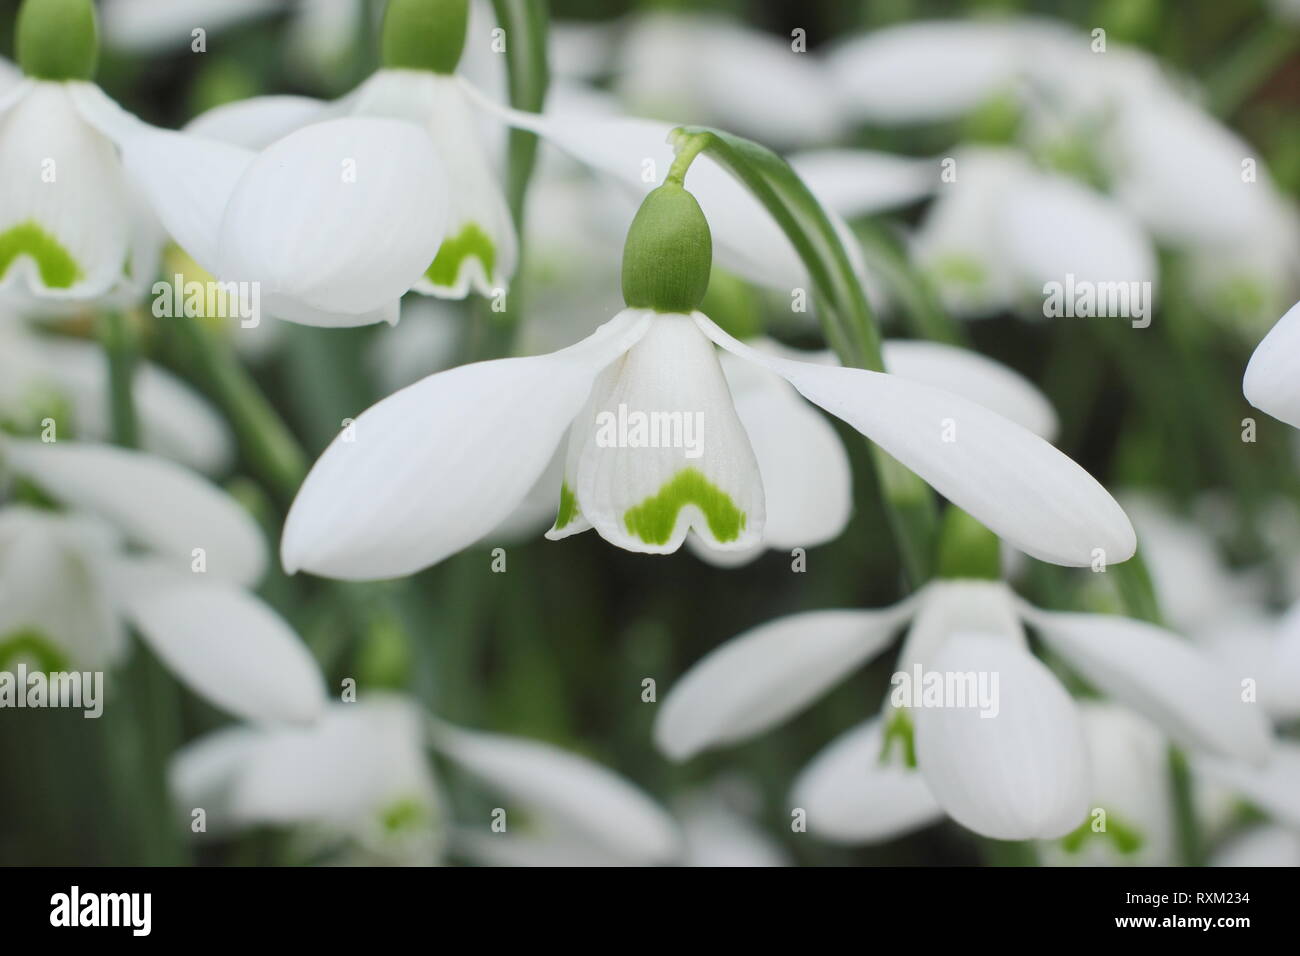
pixel 1019 773
pixel 71 228
pixel 1130 819
pixel 360 782
pixel 1000 231
pixel 69 583
pixel 430 470
pixel 173 420
pixel 333 222
pixel 480 248
pixel 1272 380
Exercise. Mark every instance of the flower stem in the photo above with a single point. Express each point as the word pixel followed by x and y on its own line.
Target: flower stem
pixel 270 445
pixel 120 346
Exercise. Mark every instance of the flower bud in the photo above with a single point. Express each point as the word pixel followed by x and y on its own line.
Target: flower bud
pixel 57 39
pixel 424 34
pixel 668 253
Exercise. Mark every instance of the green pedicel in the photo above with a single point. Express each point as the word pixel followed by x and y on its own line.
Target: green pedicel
pixel 471 241
pixel 57 267
pixel 653 520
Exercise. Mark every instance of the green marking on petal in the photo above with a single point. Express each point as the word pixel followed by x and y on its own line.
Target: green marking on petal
pixel 33 646
pixel 58 269
pixel 568 507
pixel 900 729
pixel 403 815
pixel 472 241
pixel 1127 840
pixel 653 520
pixel 959 270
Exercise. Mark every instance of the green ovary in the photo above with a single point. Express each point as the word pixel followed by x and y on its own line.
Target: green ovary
pixel 57 267
pixel 471 241
pixel 653 520
pixel 568 507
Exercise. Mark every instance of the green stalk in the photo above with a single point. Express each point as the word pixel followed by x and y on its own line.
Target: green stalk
pixel 120 346
pixel 1266 47
pixel 525 23
pixel 267 441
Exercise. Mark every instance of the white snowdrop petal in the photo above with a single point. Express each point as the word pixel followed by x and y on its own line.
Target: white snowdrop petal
pixel 355 761
pixel 578 795
pixel 188 182
pixel 666 452
pixel 852 796
pixel 1008 478
pixel 1261 845
pixel 223 642
pixel 971 375
pixel 1273 787
pixel 1056 230
pixel 1019 774
pixel 1182 172
pixel 431 469
pixel 175 422
pixel 764 676
pixel 1272 380
pixel 66 218
pixel 342 217
pixel 863 182
pixel 1160 676
pixel 924 71
pixel 257 122
pixel 205 772
pixel 635 153
pixel 155 502
pixel 1130 783
pixel 480 248
pixel 51 583
pixel 807 480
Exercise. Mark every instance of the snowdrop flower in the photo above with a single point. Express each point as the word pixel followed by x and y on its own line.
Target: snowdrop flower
pixel 1130 818
pixel 70 586
pixel 1001 231
pixel 359 784
pixel 422 43
pixel 1019 773
pixel 326 222
pixel 430 470
pixel 71 229
pixel 174 421
pixel 1272 380
pixel 709 70
pixel 1273 788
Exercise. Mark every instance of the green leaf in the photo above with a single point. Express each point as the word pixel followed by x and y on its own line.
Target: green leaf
pixel 841 305
pixel 525 23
